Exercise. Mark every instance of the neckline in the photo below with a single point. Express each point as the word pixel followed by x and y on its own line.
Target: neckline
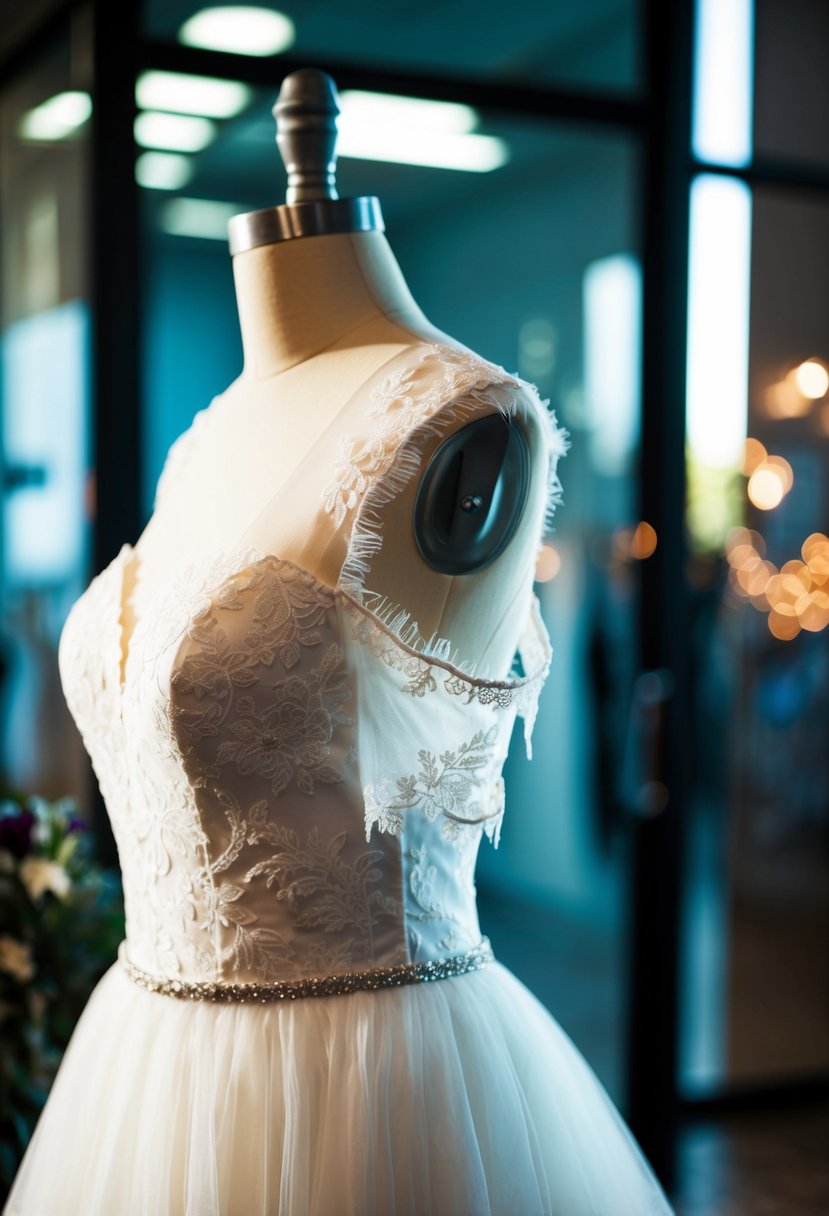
pixel 210 591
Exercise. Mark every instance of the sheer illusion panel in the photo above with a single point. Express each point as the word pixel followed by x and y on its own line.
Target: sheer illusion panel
pixel 330 516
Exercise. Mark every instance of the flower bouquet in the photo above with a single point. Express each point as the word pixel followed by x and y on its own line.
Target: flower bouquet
pixel 61 919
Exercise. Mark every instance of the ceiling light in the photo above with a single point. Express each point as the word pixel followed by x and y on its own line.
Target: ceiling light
pixel 57 117
pixel 163 170
pixel 203 218
pixel 185 94
pixel 434 149
pixel 173 132
pixel 360 107
pixel 244 30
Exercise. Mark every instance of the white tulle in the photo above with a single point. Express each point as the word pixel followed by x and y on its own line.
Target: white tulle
pixel 457 1098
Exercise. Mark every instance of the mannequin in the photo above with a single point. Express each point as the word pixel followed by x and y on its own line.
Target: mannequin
pixel 322 306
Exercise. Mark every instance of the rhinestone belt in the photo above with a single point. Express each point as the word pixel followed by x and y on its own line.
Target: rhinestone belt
pixel 326 985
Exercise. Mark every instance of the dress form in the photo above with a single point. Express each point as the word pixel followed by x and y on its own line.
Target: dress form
pixel 320 314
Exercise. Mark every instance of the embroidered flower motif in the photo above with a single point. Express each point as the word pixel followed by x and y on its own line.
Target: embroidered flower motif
pixel 216 667
pixel 289 739
pixel 290 609
pixel 397 407
pixel 325 890
pixel 423 878
pixel 397 386
pixel 448 785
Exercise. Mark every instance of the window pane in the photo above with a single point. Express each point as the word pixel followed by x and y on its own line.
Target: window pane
pixel 44 388
pixel 791 103
pixel 592 43
pixel 756 992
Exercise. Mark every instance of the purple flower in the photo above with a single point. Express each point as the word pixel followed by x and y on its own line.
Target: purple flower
pixel 16 831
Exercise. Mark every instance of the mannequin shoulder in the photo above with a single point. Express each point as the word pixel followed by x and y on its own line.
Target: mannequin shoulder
pixel 178 454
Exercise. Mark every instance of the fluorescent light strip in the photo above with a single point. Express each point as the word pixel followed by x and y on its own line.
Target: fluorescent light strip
pixel 724 81
pixel 718 315
pixel 163 170
pixel 433 149
pixel 57 117
pixel 173 132
pixel 360 107
pixel 245 30
pixel 612 312
pixel 181 93
pixel 200 218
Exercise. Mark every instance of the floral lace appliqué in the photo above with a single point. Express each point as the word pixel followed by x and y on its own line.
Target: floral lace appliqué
pixel 448 785
pixel 289 739
pixel 398 403
pixel 324 889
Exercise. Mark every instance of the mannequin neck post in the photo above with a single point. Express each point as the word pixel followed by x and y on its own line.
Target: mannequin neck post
pixel 296 298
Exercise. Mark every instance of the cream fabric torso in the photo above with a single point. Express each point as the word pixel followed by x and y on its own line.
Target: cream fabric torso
pixel 277 712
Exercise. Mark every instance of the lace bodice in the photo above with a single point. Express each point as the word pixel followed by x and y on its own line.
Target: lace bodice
pixel 298 783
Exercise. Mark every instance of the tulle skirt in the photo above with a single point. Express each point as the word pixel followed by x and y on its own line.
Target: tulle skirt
pixel 459 1097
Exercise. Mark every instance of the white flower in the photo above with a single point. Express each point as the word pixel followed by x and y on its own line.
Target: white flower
pixel 41 832
pixel 38 875
pixel 16 958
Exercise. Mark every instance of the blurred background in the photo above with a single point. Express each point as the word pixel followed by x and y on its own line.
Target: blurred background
pixel 627 203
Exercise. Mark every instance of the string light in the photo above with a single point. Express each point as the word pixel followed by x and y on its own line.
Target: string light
pixel 795 597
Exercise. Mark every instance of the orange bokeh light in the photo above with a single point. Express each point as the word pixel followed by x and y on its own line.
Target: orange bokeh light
pixel 547 564
pixel 643 540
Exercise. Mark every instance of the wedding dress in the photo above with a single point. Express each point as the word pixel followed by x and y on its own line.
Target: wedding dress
pixel 304 1018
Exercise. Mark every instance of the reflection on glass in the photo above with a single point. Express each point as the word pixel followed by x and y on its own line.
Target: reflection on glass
pixel 612 308
pixel 242 29
pixel 45 392
pixel 791 102
pixel 594 43
pixel 44 381
pixel 756 968
pixel 56 118
pixel 724 81
pixel 718 308
pixel 182 93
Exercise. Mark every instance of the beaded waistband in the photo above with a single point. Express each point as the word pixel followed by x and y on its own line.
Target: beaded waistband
pixel 326 985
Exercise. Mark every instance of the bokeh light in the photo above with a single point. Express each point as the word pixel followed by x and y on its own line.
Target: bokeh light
pixel 795 597
pixel 784 400
pixel 812 379
pixel 765 488
pixel 643 541
pixel 547 564
pixel 754 453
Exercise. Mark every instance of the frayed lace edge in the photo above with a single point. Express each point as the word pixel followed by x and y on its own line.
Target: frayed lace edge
pixel 406 463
